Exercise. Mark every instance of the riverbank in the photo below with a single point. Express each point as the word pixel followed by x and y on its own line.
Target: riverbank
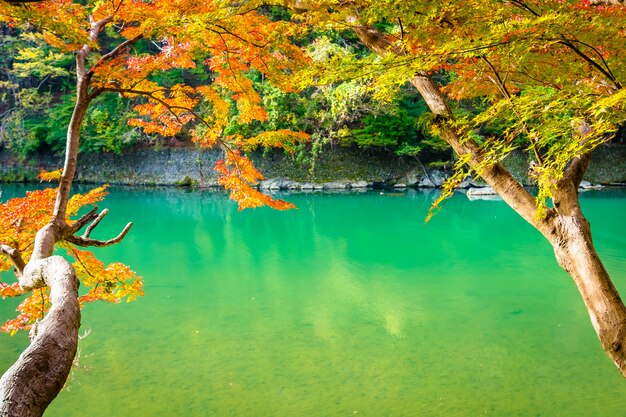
pixel 338 168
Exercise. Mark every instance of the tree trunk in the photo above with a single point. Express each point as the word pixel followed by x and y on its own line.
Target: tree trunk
pixel 35 379
pixel 570 236
pixel 565 227
pixel 568 231
pixel 575 253
pixel 71 149
pixel 29 386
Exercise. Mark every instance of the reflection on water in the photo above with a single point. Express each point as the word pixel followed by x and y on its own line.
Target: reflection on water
pixel 350 305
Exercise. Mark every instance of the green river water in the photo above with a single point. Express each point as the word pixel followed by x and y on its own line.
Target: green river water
pixel 350 305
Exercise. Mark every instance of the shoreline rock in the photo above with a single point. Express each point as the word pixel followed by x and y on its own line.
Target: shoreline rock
pixel 587 186
pixel 482 193
pixel 336 169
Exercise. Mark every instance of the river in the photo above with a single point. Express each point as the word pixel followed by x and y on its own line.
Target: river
pixel 349 305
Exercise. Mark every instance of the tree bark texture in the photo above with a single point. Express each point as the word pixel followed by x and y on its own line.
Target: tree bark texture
pixel 574 251
pixel 35 379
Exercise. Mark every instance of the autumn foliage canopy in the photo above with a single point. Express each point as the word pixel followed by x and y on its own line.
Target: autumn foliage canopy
pixel 150 38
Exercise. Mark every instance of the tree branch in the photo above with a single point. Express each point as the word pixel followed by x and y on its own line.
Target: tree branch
pixel 566 42
pixel 569 43
pixel 15 256
pixel 579 164
pixel 577 168
pixel 233 34
pixel 494 174
pixel 169 107
pixel 115 52
pixel 524 6
pixel 594 49
pixel 78 224
pixel 81 56
pixel 83 98
pixel 95 223
pixel 84 242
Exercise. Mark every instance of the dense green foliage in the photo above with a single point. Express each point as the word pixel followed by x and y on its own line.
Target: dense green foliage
pixel 545 77
pixel 363 105
pixel 37 91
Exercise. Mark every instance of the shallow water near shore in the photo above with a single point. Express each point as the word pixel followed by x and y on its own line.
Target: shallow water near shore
pixel 350 305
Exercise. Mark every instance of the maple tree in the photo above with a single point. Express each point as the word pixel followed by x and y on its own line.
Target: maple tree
pixel 551 72
pixel 230 40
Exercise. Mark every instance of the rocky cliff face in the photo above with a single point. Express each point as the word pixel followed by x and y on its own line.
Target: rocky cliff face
pixel 334 169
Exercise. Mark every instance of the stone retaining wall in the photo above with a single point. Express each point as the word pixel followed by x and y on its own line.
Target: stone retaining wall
pixel 334 169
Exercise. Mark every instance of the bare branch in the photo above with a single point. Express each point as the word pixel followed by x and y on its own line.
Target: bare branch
pixel 78 224
pixel 95 223
pixel 566 42
pixel 15 256
pixel 84 242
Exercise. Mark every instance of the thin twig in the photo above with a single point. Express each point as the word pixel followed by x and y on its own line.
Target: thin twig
pixel 505 92
pixel 95 223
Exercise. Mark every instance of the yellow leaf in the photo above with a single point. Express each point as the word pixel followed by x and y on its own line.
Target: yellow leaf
pixel 50 175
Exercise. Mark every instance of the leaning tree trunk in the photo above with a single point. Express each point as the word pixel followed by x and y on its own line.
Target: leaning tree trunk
pixel 565 227
pixel 570 236
pixel 575 253
pixel 35 379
